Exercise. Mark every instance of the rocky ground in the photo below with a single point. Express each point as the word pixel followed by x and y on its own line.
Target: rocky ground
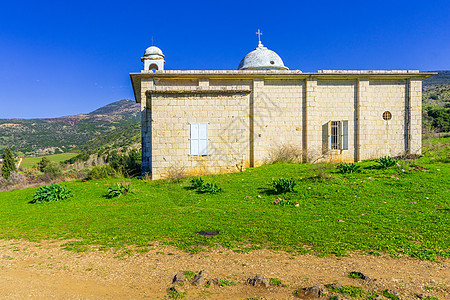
pixel 46 271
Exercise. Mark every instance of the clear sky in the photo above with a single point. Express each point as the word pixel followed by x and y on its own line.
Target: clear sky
pixel 67 57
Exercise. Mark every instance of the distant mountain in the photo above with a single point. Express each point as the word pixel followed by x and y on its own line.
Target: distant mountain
pixel 44 136
pixel 442 78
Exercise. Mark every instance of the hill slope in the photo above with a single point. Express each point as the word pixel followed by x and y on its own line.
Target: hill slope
pixel 442 78
pixel 40 136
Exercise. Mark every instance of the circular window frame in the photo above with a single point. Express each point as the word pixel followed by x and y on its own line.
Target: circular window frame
pixel 387 116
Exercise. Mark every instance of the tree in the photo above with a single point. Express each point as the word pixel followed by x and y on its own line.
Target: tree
pixel 43 163
pixel 9 164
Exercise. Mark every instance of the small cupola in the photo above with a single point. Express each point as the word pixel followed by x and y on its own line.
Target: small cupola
pixel 262 59
pixel 153 59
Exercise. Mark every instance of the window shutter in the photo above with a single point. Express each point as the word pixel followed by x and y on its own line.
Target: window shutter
pixel 194 139
pixel 203 139
pixel 344 135
pixel 199 138
pixel 326 137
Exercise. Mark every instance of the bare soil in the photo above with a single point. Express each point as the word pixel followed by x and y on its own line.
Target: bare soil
pixel 46 271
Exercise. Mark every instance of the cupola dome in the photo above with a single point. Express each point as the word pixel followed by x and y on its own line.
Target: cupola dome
pixel 153 59
pixel 153 51
pixel 262 59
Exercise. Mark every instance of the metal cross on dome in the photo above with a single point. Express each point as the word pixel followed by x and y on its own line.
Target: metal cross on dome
pixel 259 34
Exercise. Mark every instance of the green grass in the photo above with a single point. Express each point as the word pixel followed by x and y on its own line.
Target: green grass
pixel 375 211
pixel 29 162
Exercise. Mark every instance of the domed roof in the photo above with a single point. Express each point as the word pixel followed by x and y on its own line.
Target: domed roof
pixel 262 59
pixel 153 51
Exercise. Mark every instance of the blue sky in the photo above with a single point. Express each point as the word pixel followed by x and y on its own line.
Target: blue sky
pixel 67 57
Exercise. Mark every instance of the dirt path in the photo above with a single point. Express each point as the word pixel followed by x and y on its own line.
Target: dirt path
pixel 46 271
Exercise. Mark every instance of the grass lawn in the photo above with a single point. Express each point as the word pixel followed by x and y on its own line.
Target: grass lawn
pixel 400 210
pixel 29 162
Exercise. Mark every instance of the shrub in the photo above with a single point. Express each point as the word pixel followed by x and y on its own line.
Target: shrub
pixel 118 190
pixel 202 187
pixel 196 183
pixel 53 192
pixel 126 164
pixel 43 163
pixel 100 172
pixel 3 182
pixel 348 168
pixel 175 173
pixel 16 178
pixel 210 188
pixel 285 154
pixel 53 169
pixel 386 162
pixel 283 185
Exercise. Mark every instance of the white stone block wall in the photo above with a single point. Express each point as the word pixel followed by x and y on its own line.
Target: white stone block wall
pixel 277 116
pixel 249 117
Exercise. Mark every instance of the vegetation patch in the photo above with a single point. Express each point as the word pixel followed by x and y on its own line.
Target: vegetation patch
pixel 348 168
pixel 49 193
pixel 352 291
pixel 377 211
pixel 119 189
pixel 283 185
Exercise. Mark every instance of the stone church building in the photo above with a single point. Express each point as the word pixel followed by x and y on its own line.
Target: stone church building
pixel 225 121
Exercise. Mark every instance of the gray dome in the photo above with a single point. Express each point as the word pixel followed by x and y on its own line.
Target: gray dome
pixel 262 59
pixel 153 51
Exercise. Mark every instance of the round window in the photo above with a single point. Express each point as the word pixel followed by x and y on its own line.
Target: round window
pixel 387 115
pixel 272 62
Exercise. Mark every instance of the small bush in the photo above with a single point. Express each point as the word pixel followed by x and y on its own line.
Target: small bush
pixel 285 154
pixel 210 188
pixel 283 185
pixel 348 168
pixel 175 174
pixel 49 193
pixel 53 169
pixel 16 178
pixel 118 190
pixel 100 172
pixel 3 182
pixel 202 187
pixel 386 162
pixel 196 183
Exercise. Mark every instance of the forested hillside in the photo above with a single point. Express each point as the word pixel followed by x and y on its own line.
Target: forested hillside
pixel 47 136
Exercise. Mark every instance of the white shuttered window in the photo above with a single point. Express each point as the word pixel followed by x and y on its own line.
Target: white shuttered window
pixel 199 139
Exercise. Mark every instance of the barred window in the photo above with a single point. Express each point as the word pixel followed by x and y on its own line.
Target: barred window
pixel 335 135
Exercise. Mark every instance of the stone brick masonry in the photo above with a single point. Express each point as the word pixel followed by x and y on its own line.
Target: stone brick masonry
pixel 251 113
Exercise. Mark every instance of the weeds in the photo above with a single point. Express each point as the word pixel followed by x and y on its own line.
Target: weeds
pixel 285 154
pixel 275 281
pixel 196 183
pixel 390 295
pixel 175 173
pixel 49 193
pixel 385 162
pixel 283 185
pixel 119 189
pixel 201 187
pixel 348 168
pixel 226 283
pixel 352 291
pixel 210 188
